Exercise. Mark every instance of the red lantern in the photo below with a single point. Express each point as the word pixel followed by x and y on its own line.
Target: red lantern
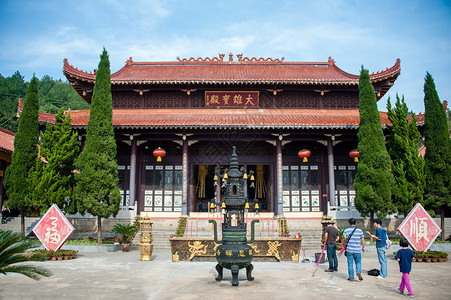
pixel 354 154
pixel 159 153
pixel 304 153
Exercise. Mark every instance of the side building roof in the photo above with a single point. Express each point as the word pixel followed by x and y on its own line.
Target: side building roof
pixel 6 141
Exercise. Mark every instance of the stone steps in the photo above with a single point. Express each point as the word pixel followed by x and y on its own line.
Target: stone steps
pixel 162 229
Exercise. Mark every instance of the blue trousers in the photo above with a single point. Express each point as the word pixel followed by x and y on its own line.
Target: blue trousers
pixel 332 256
pixel 382 260
pixel 357 257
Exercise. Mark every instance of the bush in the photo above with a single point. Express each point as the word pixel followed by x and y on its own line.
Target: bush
pixel 180 231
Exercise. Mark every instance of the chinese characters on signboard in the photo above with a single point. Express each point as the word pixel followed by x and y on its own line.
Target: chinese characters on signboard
pixel 419 228
pixel 53 229
pixel 231 99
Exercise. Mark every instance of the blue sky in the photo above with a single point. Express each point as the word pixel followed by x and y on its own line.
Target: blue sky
pixel 35 36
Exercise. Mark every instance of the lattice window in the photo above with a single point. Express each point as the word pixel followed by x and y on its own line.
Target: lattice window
pixel 341 100
pixel 198 99
pixel 297 99
pixel 265 100
pixel 127 100
pixel 168 99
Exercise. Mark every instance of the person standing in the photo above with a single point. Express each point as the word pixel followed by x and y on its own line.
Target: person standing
pixel 331 238
pixel 404 257
pixel 381 243
pixel 352 238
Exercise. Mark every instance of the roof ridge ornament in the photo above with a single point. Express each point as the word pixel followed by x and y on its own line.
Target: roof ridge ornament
pixel 129 61
pixel 240 57
pixel 261 59
pixel 200 59
pixel 331 61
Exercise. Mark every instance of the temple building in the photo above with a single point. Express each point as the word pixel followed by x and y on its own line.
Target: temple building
pixel 6 150
pixel 294 125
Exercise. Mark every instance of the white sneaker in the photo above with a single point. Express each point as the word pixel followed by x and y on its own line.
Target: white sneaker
pixel 380 277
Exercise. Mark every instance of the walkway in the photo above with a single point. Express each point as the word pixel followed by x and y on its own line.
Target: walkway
pixel 118 275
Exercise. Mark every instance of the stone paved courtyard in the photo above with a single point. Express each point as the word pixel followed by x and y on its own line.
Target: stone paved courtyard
pixel 118 275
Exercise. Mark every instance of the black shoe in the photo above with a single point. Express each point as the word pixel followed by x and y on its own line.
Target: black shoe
pixel 328 270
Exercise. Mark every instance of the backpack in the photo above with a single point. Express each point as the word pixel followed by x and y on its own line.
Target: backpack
pixel 374 272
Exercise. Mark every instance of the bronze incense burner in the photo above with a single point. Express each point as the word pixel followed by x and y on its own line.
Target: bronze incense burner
pixel 233 252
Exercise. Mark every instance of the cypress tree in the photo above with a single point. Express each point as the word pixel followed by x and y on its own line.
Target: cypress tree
pixel 407 165
pixel 24 155
pixel 373 180
pixel 52 181
pixel 438 152
pixel 96 189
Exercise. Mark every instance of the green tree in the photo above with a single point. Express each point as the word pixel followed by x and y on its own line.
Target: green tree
pixel 52 181
pixel 11 89
pixel 24 155
pixel 438 152
pixel 407 165
pixel 12 252
pixel 373 180
pixel 56 94
pixel 96 189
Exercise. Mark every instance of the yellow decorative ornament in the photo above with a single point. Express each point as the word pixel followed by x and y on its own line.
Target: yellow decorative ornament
pixel 223 205
pixel 225 176
pixel 252 178
pixel 245 176
pixel 216 177
pixel 212 205
pixel 247 205
pixel 256 206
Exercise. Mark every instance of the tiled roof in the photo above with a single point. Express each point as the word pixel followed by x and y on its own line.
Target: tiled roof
pixel 6 140
pixel 225 118
pixel 243 71
pixel 43 116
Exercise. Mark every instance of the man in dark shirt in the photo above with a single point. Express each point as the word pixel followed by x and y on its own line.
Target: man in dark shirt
pixel 381 242
pixel 331 238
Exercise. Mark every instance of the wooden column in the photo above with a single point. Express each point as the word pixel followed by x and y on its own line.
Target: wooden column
pixel 218 187
pixel 330 162
pixel 279 202
pixel 132 187
pixel 185 177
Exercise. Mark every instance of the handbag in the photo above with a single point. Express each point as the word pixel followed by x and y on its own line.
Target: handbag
pixel 347 241
pixel 374 272
pixel 388 243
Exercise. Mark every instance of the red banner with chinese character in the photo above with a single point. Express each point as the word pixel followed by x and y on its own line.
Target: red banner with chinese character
pixel 231 99
pixel 53 229
pixel 419 228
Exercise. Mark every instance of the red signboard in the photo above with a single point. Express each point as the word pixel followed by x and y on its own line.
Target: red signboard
pixel 231 99
pixel 53 229
pixel 419 228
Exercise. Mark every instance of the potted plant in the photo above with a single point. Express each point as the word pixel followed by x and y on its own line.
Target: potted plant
pixel 127 232
pixel 434 256
pixel 179 232
pixel 443 256
pixel 427 256
pixel 419 255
